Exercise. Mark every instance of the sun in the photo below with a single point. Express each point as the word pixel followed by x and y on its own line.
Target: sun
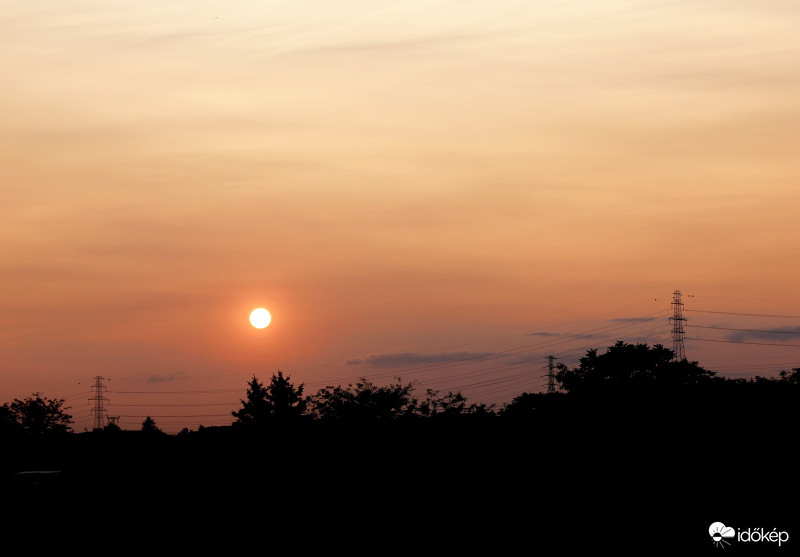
pixel 260 318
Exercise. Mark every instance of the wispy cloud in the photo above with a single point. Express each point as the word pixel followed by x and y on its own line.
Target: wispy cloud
pixel 416 359
pixel 409 359
pixel 776 334
pixel 632 319
pixel 567 335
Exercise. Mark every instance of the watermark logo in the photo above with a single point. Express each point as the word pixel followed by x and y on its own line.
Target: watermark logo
pixel 722 536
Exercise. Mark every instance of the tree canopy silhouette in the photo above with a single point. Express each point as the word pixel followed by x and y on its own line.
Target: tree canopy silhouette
pixel 36 415
pixel 626 367
pixel 526 404
pixel 451 404
pixel 364 401
pixel 791 377
pixel 149 426
pixel 278 401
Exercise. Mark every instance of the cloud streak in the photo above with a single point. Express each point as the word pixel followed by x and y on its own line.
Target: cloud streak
pixel 632 319
pixel 418 359
pixel 410 359
pixel 776 334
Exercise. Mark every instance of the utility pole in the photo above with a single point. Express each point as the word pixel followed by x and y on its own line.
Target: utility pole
pixel 678 332
pixel 99 411
pixel 551 375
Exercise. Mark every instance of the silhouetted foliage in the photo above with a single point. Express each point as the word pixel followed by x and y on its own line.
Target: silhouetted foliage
pixel 364 401
pixel 527 405
pixel 626 367
pixel 36 415
pixel 149 426
pixel 451 404
pixel 367 401
pixel 279 401
pixel 792 377
pixel 255 408
pixel 480 409
pixel 286 401
pixel 418 452
pixel 9 425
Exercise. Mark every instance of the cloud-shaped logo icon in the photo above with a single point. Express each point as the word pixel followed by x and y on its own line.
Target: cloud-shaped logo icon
pixel 718 532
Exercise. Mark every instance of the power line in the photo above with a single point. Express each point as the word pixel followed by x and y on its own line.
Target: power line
pixel 747 314
pixel 740 367
pixel 497 380
pixel 521 371
pixel 494 385
pixel 175 392
pixel 476 373
pixel 511 351
pixel 484 388
pixel 501 394
pixel 181 404
pixel 747 330
pixel 178 416
pixel 513 379
pixel 505 382
pixel 745 342
pixel 762 299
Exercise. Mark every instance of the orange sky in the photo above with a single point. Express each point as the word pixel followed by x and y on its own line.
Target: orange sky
pixel 387 178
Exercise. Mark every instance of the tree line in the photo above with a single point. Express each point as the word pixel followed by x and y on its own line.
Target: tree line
pixel 624 377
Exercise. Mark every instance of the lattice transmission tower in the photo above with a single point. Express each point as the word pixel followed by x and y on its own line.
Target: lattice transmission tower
pixel 551 375
pixel 678 332
pixel 99 410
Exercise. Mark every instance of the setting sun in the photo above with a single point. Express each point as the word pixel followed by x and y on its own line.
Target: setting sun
pixel 260 318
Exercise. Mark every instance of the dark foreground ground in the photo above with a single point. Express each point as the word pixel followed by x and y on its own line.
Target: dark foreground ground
pixel 485 487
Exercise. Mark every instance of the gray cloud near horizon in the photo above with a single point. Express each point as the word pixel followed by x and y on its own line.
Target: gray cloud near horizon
pixel 412 359
pixel 406 359
pixel 632 319
pixel 788 333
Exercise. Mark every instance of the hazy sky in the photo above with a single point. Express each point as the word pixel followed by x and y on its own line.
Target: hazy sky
pixel 399 183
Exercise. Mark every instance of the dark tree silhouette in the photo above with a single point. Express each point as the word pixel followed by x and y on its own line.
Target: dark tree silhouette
pixel 451 404
pixel 9 425
pixel 636 386
pixel 37 415
pixel 367 401
pixel 364 401
pixel 526 404
pixel 278 401
pixel 286 401
pixel 149 426
pixel 632 367
pixel 791 377
pixel 255 408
